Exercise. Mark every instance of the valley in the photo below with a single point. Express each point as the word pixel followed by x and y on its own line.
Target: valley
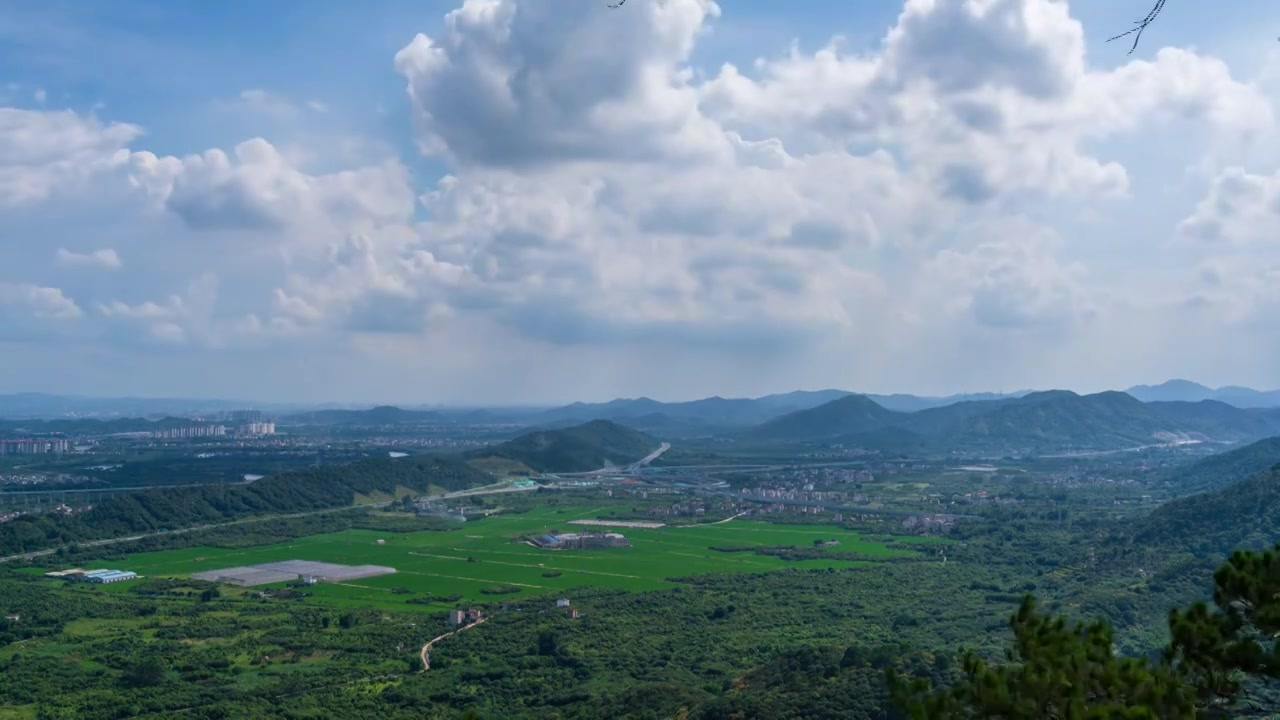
pixel 817 537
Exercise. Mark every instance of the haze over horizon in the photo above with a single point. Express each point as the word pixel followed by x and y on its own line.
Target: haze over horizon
pixel 499 202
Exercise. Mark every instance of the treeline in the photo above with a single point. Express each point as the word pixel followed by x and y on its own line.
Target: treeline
pixel 251 534
pixel 173 508
pixel 91 426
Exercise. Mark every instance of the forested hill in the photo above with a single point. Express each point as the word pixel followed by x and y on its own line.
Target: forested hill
pixel 1039 421
pixel 1218 471
pixel 581 448
pixel 1210 525
pixel 298 491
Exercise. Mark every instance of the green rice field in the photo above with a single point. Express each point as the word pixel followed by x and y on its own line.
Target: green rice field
pixel 481 554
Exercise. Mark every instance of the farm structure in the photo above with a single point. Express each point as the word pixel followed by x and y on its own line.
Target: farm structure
pixel 97 577
pixel 581 541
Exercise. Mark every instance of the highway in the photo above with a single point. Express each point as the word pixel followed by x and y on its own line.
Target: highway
pixel 633 467
pixel 649 458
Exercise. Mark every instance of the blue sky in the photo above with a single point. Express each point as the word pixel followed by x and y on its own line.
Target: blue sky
pixel 625 216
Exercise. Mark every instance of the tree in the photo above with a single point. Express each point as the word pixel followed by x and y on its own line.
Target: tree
pixel 1061 670
pixel 146 673
pixel 1214 649
pixel 1054 670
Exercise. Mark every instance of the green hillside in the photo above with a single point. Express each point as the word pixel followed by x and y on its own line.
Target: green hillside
pixel 590 446
pixel 299 491
pixel 1219 471
pixel 1061 419
pixel 1243 515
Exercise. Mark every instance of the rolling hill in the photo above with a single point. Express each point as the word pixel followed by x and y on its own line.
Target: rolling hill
pixel 311 489
pixel 1245 514
pixel 850 415
pixel 1051 420
pixel 1225 469
pixel 590 446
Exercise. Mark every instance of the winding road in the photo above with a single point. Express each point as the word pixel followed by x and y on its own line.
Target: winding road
pixel 426 649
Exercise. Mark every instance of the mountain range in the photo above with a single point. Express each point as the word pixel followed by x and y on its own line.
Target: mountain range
pixel 1052 420
pixel 1188 391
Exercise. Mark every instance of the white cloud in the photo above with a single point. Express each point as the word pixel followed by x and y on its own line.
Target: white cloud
pixel 258 188
pixel 29 301
pixel 1240 207
pixel 43 152
pixel 511 84
pixel 944 205
pixel 105 259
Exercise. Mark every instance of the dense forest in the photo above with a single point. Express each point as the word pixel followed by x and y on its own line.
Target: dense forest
pixel 297 491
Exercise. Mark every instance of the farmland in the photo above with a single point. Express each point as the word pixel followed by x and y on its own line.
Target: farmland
pixel 481 555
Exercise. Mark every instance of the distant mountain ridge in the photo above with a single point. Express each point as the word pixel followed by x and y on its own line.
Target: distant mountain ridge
pixel 716 413
pixel 1188 391
pixel 381 415
pixel 1056 419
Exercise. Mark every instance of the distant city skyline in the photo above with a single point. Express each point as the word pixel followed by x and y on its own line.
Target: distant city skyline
pixel 499 202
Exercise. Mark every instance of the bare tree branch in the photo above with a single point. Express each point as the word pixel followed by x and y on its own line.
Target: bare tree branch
pixel 1136 30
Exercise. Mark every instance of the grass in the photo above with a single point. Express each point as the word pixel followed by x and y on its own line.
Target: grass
pixel 482 554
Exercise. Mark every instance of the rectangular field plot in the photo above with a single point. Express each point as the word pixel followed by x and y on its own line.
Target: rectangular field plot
pixel 287 570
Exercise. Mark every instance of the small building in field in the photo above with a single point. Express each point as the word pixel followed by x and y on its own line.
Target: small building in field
pixel 465 617
pixel 101 577
pixel 562 602
pixel 573 613
pixel 581 541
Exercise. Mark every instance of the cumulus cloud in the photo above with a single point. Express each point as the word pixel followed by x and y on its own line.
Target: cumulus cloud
pixel 510 84
pixel 1240 207
pixel 105 259
pixel 30 311
pixel 258 188
pixel 43 152
pixel 843 208
pixel 593 201
pixel 191 318
pixel 987 98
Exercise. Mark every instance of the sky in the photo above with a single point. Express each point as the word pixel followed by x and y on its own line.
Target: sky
pixel 530 201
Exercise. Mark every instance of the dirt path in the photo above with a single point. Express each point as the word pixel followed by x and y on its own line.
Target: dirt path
pixel 426 649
